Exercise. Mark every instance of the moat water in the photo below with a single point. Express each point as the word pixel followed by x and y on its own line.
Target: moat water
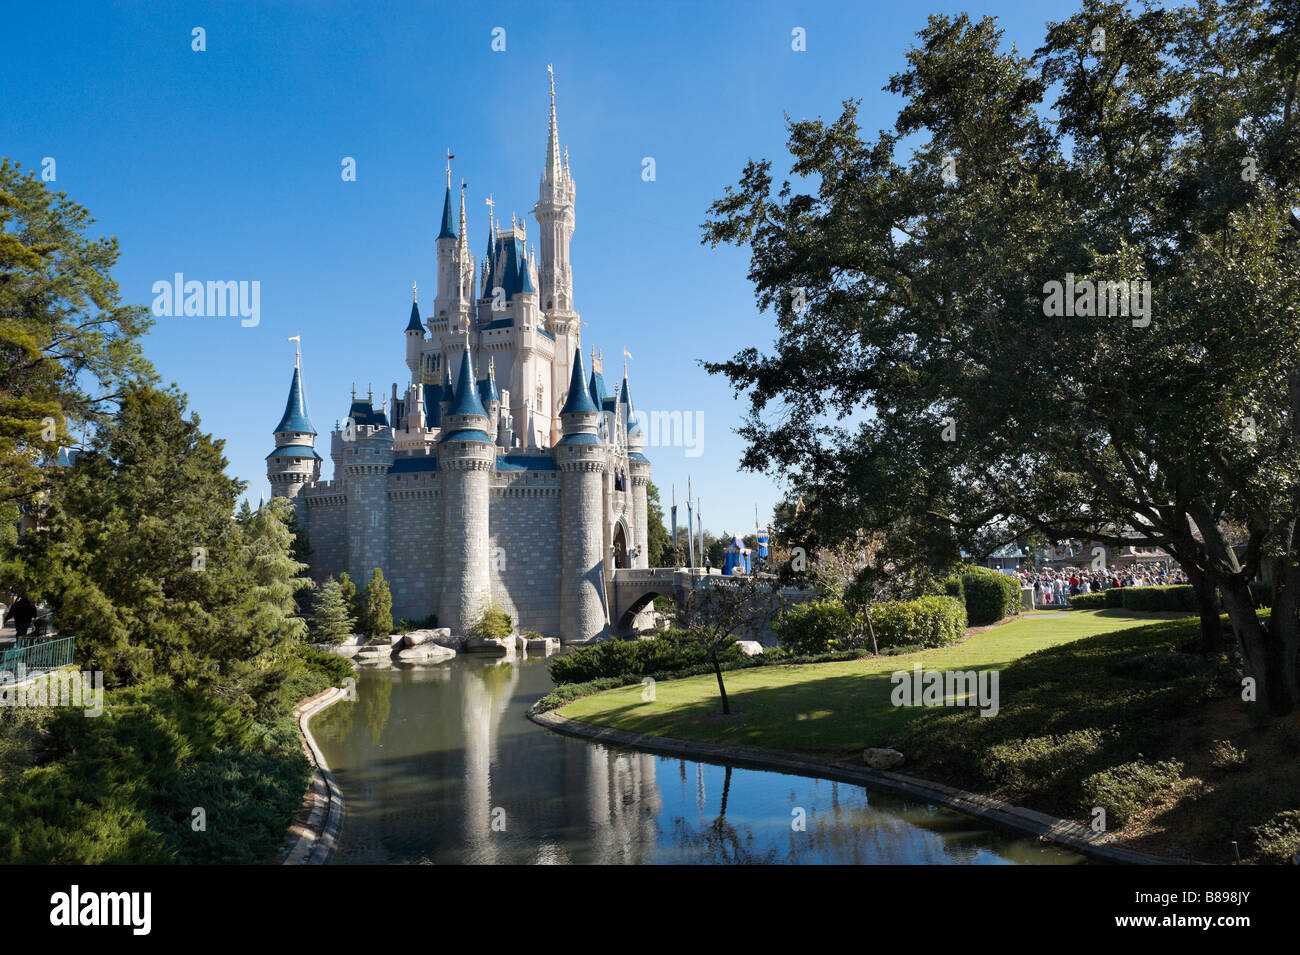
pixel 439 765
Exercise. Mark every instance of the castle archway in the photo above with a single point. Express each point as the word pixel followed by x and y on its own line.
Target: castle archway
pixel 621 556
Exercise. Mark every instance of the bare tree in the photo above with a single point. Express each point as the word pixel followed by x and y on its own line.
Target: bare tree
pixel 719 609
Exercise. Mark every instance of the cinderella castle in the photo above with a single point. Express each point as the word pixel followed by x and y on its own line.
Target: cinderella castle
pixel 503 471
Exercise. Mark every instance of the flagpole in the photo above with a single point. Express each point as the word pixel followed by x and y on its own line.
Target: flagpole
pixel 676 556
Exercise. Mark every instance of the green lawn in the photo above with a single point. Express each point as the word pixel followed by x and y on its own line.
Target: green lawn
pixel 827 708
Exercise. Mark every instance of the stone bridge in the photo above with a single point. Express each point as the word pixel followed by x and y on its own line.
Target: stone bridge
pixel 632 590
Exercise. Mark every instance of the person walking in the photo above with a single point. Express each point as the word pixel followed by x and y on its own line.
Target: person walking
pixel 22 612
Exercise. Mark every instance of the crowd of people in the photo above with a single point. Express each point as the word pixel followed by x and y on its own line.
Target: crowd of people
pixel 1054 588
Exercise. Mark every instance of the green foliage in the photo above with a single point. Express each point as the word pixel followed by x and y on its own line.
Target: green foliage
pixel 493 623
pixel 356 606
pixel 1125 790
pixel 1090 601
pixel 990 596
pixel 120 788
pixel 1224 755
pixel 1181 597
pixel 814 626
pixel 1114 597
pixel 67 342
pixel 406 626
pixel 377 618
pixel 659 543
pixel 330 621
pixel 925 622
pixel 1278 840
pixel 673 650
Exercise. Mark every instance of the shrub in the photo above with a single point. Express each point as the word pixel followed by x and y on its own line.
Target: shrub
pixel 926 621
pixel 813 627
pixel 990 596
pixel 1223 755
pixel 1089 601
pixel 1278 840
pixel 406 626
pixel 670 652
pixel 1125 790
pixel 1114 597
pixel 1179 597
pixel 493 624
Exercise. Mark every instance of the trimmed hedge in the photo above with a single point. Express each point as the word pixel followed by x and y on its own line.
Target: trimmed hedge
pixel 1178 597
pixel 813 627
pixel 1090 601
pixel 990 596
pixel 670 651
pixel 1114 597
pixel 926 621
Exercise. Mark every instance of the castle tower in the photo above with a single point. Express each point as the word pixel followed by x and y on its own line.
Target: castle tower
pixel 448 266
pixel 466 458
pixel 366 450
pixel 414 336
pixel 555 220
pixel 639 476
pixel 294 463
pixel 580 456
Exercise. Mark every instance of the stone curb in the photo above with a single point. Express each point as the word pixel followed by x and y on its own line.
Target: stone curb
pixel 316 840
pixel 994 812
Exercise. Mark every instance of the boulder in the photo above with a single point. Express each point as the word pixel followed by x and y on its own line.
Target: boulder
pixel 882 758
pixel 501 648
pixel 544 645
pixel 750 648
pixel 417 637
pixel 426 653
pixel 345 650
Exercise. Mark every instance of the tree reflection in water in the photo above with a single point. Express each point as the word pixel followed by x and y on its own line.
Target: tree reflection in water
pixel 720 842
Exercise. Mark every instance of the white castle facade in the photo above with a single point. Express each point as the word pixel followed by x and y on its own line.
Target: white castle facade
pixel 502 471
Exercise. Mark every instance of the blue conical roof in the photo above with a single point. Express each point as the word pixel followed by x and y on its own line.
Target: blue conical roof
pixel 597 388
pixel 467 401
pixel 626 398
pixel 414 325
pixel 579 400
pixel 295 409
pixel 448 226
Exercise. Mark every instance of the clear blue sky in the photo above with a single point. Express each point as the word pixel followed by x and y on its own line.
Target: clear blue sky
pixel 225 165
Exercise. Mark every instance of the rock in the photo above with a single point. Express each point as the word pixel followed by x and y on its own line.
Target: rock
pixel 750 648
pixel 545 645
pixel 501 648
pixel 882 758
pixel 417 637
pixel 426 653
pixel 345 650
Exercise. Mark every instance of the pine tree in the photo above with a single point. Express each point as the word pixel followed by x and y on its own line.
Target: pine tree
pixel 331 621
pixel 350 597
pixel 378 618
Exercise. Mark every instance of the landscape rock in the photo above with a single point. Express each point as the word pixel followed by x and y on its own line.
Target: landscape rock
pixel 426 653
pixel 417 637
pixel 501 648
pixel 750 648
pixel 882 758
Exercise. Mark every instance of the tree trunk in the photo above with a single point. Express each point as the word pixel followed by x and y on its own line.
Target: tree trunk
pixel 1260 648
pixel 1207 605
pixel 717 671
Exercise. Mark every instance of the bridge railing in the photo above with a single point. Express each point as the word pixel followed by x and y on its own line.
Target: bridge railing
pixel 39 656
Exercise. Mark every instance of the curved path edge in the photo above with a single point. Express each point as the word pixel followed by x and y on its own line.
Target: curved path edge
pixel 312 842
pixel 994 812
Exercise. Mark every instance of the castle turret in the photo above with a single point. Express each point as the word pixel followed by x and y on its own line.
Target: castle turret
pixel 448 267
pixel 580 456
pixel 294 463
pixel 639 473
pixel 466 458
pixel 487 389
pixel 414 336
pixel 366 446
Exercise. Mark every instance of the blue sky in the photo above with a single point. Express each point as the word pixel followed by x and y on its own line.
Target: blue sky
pixel 225 165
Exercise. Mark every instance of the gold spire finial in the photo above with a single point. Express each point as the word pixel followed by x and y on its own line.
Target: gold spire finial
pixel 450 157
pixel 626 355
pixel 297 358
pixel 415 291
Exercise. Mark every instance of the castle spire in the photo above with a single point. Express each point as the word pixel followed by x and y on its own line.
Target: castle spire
pixel 448 230
pixel 551 172
pixel 295 409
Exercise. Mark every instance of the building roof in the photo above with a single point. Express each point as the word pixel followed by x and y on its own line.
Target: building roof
pixel 633 426
pixel 525 462
pixel 597 388
pixel 579 399
pixel 413 464
pixel 414 325
pixel 363 413
pixel 448 230
pixel 295 409
pixel 294 451
pixel 580 437
pixel 468 434
pixel 467 401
